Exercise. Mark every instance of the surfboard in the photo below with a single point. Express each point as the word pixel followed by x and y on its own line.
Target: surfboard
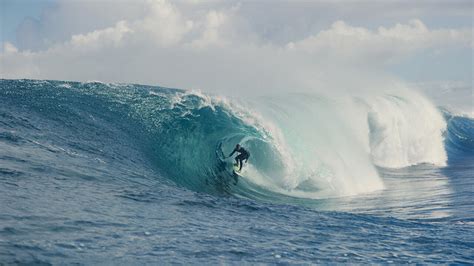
pixel 235 169
pixel 236 173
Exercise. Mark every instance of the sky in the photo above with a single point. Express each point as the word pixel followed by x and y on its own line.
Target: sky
pixel 256 45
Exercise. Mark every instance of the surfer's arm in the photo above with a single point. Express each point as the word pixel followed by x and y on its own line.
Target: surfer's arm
pixel 232 153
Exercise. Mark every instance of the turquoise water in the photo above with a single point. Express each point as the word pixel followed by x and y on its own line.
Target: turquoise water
pixel 122 173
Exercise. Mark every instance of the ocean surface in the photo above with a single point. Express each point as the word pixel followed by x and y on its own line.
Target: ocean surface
pixel 130 174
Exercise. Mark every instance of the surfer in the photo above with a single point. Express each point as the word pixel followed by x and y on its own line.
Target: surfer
pixel 243 155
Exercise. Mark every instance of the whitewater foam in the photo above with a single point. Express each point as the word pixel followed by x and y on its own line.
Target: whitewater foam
pixel 405 129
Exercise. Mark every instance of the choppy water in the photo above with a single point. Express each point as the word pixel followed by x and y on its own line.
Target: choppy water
pixel 107 173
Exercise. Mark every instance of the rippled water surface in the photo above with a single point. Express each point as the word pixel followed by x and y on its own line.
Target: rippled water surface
pixel 93 174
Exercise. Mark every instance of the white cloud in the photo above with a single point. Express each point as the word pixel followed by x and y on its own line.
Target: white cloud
pixel 109 37
pixel 211 35
pixel 9 48
pixel 63 19
pixel 385 45
pixel 212 47
pixel 164 23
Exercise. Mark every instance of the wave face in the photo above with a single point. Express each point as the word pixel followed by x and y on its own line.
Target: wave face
pixel 302 146
pixel 459 137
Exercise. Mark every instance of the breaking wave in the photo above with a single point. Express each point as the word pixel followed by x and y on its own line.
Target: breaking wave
pixel 303 146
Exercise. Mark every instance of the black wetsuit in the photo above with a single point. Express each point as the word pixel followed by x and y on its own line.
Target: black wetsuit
pixel 244 155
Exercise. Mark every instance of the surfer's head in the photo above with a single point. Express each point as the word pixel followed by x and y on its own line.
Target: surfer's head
pixel 237 146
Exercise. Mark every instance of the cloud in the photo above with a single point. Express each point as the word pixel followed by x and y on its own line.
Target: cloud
pixel 59 21
pixel 385 45
pixel 110 37
pixel 9 48
pixel 215 47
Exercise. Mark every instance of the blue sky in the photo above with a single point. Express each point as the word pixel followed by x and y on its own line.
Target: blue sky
pixel 15 11
pixel 418 41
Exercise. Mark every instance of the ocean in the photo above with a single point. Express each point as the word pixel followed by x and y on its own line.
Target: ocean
pixel 102 173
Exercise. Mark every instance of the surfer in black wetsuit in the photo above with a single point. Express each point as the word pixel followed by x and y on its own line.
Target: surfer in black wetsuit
pixel 243 155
